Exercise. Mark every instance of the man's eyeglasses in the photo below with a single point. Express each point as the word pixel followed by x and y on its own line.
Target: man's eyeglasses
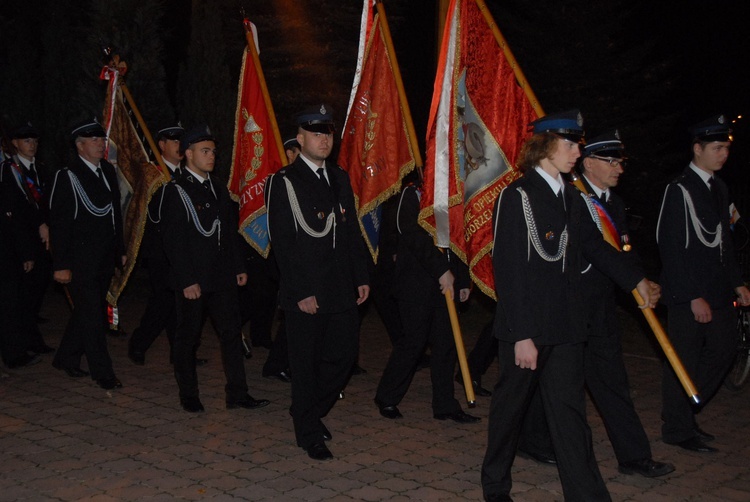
pixel 612 162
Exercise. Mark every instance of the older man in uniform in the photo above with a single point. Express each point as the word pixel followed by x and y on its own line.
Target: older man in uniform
pixel 700 277
pixel 86 244
pixel 606 378
pixel 23 178
pixel 200 225
pixel 315 235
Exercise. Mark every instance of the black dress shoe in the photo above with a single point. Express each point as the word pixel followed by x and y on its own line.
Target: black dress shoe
pixel 248 403
pixel 73 371
pixel 539 457
pixel 327 436
pixel 319 451
pixel 284 376
pixel 192 405
pixel 703 435
pixel 390 412
pixel 137 357
pixel 646 467
pixel 42 349
pixel 498 498
pixel 478 389
pixel 458 416
pixel 694 444
pixel 23 361
pixel 109 383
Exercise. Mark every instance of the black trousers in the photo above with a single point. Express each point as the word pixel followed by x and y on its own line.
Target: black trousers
pixel 33 287
pixel 607 381
pixel 422 323
pixel 278 356
pixel 706 351
pixel 12 344
pixel 559 377
pixel 223 309
pixel 86 332
pixel 481 356
pixel 322 351
pixel 160 313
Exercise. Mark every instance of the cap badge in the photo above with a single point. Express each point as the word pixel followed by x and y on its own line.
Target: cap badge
pixel 721 119
pixel 579 119
pixel 323 110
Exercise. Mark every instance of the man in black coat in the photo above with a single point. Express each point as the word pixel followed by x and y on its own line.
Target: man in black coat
pixel 323 275
pixel 700 277
pixel 160 309
pixel 425 274
pixel 24 183
pixel 200 226
pixel 86 244
pixel 542 232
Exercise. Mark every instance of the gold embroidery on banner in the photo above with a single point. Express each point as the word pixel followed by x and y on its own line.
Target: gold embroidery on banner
pixel 252 149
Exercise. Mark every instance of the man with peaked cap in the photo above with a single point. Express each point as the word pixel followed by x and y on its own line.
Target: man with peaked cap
pixel 313 228
pixel 160 310
pixel 542 233
pixel 200 225
pixel 24 183
pixel 87 245
pixel 701 277
pixel 606 378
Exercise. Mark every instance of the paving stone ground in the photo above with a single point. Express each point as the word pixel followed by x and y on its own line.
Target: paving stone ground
pixel 66 439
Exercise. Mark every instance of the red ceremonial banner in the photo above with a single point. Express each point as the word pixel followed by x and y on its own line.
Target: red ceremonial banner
pixel 478 123
pixel 375 149
pixel 255 155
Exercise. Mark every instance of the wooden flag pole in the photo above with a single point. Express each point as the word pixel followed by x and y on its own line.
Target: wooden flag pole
pixel 264 90
pixel 412 135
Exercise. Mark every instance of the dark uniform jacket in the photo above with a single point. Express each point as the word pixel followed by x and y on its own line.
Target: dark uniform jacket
pixel 536 298
pixel 690 269
pixel 330 267
pixel 80 241
pixel 152 245
pixel 212 261
pixel 29 211
pixel 419 263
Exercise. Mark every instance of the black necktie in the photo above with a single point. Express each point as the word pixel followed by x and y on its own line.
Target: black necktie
pixel 715 195
pixel 321 174
pixel 561 199
pixel 100 174
pixel 207 185
pixel 32 173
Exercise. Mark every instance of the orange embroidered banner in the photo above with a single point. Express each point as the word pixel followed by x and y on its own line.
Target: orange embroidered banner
pixel 255 155
pixel 478 122
pixel 375 149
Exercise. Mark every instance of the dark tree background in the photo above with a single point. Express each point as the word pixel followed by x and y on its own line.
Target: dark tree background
pixel 647 68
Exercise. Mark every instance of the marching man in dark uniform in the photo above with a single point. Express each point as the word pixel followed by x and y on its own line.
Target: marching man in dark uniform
pixel 24 181
pixel 424 274
pixel 160 310
pixel 315 235
pixel 86 243
pixel 701 278
pixel 200 223
pixel 542 229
